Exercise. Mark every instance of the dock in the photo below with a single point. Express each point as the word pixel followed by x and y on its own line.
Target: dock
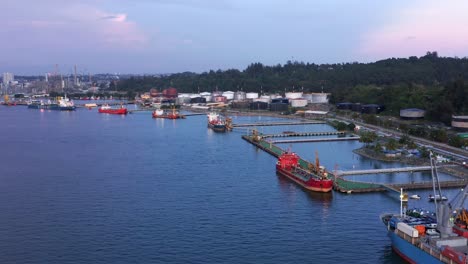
pixel 314 140
pixel 313 122
pixel 344 185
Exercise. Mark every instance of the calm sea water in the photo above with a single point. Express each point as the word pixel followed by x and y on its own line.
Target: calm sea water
pixel 83 187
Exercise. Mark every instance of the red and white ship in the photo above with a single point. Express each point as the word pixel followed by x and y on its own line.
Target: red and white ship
pixel 315 178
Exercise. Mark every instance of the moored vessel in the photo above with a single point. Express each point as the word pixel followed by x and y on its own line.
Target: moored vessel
pixel 60 104
pixel 314 178
pixel 107 109
pixel 420 236
pixel 173 114
pixel 216 122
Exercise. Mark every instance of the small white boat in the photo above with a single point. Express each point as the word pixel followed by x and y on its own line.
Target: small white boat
pixel 432 232
pixel 415 196
pixel 437 197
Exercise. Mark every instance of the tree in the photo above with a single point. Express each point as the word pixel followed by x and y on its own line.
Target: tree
pixel 391 144
pixel 368 137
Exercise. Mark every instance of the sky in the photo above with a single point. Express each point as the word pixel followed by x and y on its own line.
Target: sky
pixel 168 36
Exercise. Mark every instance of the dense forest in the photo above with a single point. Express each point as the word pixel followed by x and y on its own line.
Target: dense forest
pixel 429 82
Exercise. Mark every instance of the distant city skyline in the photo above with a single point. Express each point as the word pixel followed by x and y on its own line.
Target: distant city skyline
pixel 169 36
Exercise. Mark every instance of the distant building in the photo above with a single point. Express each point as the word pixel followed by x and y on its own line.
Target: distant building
pixel 7 78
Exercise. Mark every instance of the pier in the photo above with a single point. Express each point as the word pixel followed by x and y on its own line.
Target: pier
pixel 314 140
pixel 348 186
pixel 314 122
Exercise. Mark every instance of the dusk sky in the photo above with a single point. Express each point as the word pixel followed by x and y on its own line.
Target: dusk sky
pixel 166 36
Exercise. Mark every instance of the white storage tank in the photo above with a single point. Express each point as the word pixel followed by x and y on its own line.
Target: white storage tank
pixel 239 96
pixel 412 113
pixel 460 122
pixel 217 93
pixel 293 95
pixel 208 98
pixel 251 95
pixel 266 97
pixel 275 96
pixel 184 95
pixel 205 93
pixel 265 100
pixel 298 102
pixel 308 97
pixel 229 95
pixel 320 98
pixel 194 95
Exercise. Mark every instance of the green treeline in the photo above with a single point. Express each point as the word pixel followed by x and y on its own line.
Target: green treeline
pixel 429 82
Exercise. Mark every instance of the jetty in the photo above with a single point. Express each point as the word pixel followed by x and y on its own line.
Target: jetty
pixel 312 122
pixel 344 185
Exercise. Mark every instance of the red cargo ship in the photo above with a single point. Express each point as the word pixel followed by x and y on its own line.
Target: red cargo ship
pixel 314 179
pixel 106 109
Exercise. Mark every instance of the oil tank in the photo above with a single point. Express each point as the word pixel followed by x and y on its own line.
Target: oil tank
pixel 298 102
pixel 240 104
pixel 258 106
pixel 208 98
pixel 170 92
pixel 220 99
pixel 357 107
pixel 154 93
pixel 251 95
pixel 293 95
pixel 239 96
pixel 320 98
pixel 183 100
pixel 344 106
pixel 229 95
pixel 460 122
pixel 412 113
pixel 216 93
pixel 198 100
pixel 280 100
pixel 279 107
pixel 265 100
pixel 372 109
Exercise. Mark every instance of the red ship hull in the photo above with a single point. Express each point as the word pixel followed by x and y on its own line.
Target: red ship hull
pixel 120 111
pixel 312 184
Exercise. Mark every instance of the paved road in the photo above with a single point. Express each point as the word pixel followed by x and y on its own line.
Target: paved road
pixel 441 148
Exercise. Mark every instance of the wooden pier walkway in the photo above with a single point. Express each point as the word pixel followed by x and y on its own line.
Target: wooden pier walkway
pixel 314 122
pixel 305 134
pixel 388 170
pixel 424 185
pixel 314 140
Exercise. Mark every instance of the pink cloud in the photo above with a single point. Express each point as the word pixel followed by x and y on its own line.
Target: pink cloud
pixel 72 26
pixel 425 26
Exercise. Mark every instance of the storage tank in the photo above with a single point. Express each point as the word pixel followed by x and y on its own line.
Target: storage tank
pixel 279 107
pixel 460 122
pixel 280 100
pixel 198 100
pixel 208 98
pixel 154 93
pixel 251 95
pixel 240 104
pixel 308 97
pixel 265 100
pixel 372 109
pixel 344 106
pixel 170 92
pixel 258 105
pixel 357 107
pixel 412 113
pixel 216 93
pixel 274 96
pixel 320 98
pixel 298 102
pixel 184 95
pixel 205 93
pixel 183 100
pixel 239 96
pixel 293 95
pixel 220 99
pixel 229 95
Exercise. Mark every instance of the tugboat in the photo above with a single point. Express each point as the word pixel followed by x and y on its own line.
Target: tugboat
pixel 216 122
pixel 174 114
pixel 107 109
pixel 315 178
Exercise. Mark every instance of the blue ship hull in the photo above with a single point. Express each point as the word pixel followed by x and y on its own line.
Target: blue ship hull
pixel 53 107
pixel 409 252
